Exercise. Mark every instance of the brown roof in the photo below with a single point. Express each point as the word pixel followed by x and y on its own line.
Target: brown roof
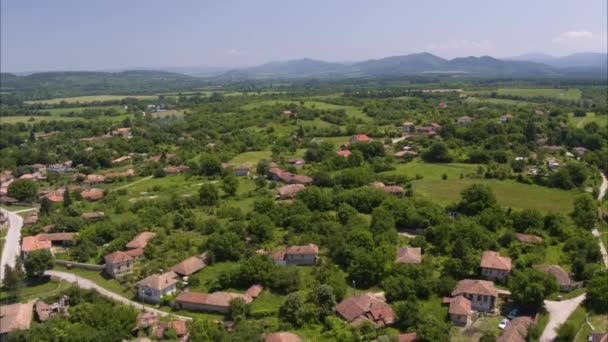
pixel 353 307
pixel 221 299
pixel 361 138
pixel 528 238
pixel 32 243
pixel 290 191
pixel 459 305
pixel 95 178
pixel 141 240
pixel 135 252
pixel 409 255
pixel 393 189
pixel 344 153
pixel 516 330
pixel 282 337
pixel 57 237
pixel 300 179
pixel 93 215
pixel 31 218
pixel 311 248
pixel 191 265
pixel 15 317
pixel 562 277
pixel 179 326
pixel 117 257
pixel 409 337
pixel 254 291
pixel 92 194
pixel 42 310
pixel 157 281
pixel 493 260
pixel 474 286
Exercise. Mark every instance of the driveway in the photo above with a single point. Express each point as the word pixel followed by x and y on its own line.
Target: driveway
pixel 558 314
pixel 88 284
pixel 12 246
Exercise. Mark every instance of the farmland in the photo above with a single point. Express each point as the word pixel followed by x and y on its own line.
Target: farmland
pixel 562 94
pixel 90 98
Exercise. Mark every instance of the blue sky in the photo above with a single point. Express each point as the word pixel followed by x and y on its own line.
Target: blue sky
pixel 115 34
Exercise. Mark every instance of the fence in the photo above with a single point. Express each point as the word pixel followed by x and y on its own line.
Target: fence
pixel 70 264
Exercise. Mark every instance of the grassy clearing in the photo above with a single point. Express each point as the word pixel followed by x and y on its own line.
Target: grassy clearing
pixel 46 287
pixel 497 101
pixel 34 119
pixel 509 193
pixel 250 158
pixel 351 111
pixel 63 111
pixel 100 279
pixel 580 122
pixel 91 98
pixel 562 94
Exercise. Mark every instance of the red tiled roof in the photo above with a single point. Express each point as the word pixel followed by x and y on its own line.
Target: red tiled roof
pixel 409 255
pixel 290 191
pixel 16 317
pixel 179 326
pixel 221 299
pixel 361 138
pixel 344 153
pixel 516 330
pixel 141 240
pixel 157 282
pixel 528 238
pixel 56 237
pixel 135 252
pixel 409 337
pixel 357 306
pixel 303 250
pixel 562 277
pixel 117 257
pixel 189 266
pixel 32 243
pixel 459 305
pixel 474 286
pixel 254 291
pixel 282 337
pixel 493 260
pixel 92 194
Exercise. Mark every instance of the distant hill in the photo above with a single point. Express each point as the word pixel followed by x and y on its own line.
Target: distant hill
pixel 583 60
pixel 62 84
pixel 295 68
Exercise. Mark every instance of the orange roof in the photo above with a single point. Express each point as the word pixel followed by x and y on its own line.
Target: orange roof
pixel 303 250
pixel 361 138
pixel 409 337
pixel 179 326
pixel 16 317
pixel 141 240
pixel 32 243
pixel 191 265
pixel 409 255
pixel 56 237
pixel 493 260
pixel 92 194
pixel 254 291
pixel 135 252
pixel 474 286
pixel 117 257
pixel 459 305
pixel 282 337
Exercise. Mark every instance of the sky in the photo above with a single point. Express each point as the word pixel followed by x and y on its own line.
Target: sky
pixel 41 35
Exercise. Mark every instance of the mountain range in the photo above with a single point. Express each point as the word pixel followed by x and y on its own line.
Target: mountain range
pixel 426 63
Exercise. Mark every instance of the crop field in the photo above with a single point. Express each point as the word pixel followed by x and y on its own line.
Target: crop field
pixel 34 119
pixel 497 101
pixel 580 122
pixel 91 98
pixel 63 111
pixel 562 94
pixel 351 111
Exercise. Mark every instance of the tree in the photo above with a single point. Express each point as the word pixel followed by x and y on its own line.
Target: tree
pixel 37 262
pixel 323 297
pixel 477 198
pixel 584 213
pixel 597 293
pixel 408 313
pixel 438 152
pixel 13 277
pixel 262 167
pixel 230 184
pixel 225 246
pixel 210 165
pixel 45 206
pixel 529 287
pixel 292 310
pixel 527 219
pixel 260 227
pixel 208 194
pixel 67 198
pixel 84 250
pixel 238 309
pixel 23 190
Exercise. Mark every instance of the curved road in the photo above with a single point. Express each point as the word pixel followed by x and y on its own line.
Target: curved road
pixel 12 246
pixel 596 232
pixel 88 284
pixel 558 314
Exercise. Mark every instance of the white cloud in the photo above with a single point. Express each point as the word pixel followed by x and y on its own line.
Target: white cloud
pixel 462 46
pixel 574 36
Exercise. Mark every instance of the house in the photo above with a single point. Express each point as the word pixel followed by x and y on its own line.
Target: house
pixel 368 307
pixel 360 138
pixel 154 287
pixel 408 153
pixel 344 153
pixel 407 337
pixel 598 337
pixel 279 174
pixel 561 276
pixel 528 238
pixel 209 302
pixel 408 127
pixel 94 179
pixel 191 265
pixel 282 336
pixel 135 252
pixel 409 255
pixel 516 330
pixel 92 194
pixel 241 171
pixel 302 255
pixel 30 218
pixel 506 118
pixel 289 191
pixel 140 240
pixel 93 215
pixel 495 267
pixel 45 311
pixel 481 293
pixel 118 264
pixel 32 243
pixel 55 196
pixel 539 112
pixel 171 170
pixel 394 190
pixel 443 104
pixel 124 132
pixel 552 164
pixel 460 311
pixel 121 159
pixel 159 329
pixel 464 120
pixel 15 317
pixel 579 151
pixel 296 161
pixel 8 200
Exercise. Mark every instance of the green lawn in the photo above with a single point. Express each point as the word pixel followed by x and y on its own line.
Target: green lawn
pixel 250 158
pixel 100 279
pixel 580 122
pixel 35 119
pixel 351 111
pixel 509 193
pixel 497 101
pixel 91 98
pixel 562 94
pixel 39 289
pixel 62 111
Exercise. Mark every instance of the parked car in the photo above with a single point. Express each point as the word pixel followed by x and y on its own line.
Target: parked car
pixel 513 313
pixel 503 324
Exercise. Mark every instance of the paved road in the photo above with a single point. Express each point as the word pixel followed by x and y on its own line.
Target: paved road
pixel 595 232
pixel 603 187
pixel 88 284
pixel 558 314
pixel 12 246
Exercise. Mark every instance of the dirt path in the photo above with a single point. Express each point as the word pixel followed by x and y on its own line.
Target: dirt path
pixel 558 314
pixel 133 183
pixel 88 284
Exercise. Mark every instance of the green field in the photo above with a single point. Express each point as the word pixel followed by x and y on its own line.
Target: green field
pixel 562 94
pixel 100 279
pixel 62 111
pixel 39 289
pixel 580 122
pixel 508 192
pixel 91 98
pixel 497 101
pixel 35 119
pixel 351 111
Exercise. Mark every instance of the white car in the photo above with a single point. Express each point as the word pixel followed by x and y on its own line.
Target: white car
pixel 503 324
